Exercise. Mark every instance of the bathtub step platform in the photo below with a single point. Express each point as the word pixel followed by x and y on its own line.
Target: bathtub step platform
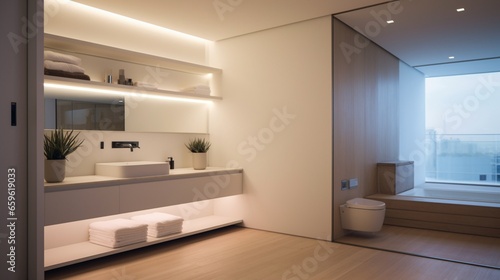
pixel 468 217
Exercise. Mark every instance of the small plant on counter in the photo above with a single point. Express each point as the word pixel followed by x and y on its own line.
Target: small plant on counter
pixel 198 145
pixel 56 147
pixel 59 144
pixel 199 148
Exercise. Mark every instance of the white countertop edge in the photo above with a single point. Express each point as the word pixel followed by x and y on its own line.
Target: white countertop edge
pixel 94 181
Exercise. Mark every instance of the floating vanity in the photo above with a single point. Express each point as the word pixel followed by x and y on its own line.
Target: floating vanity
pixel 122 189
pixel 71 203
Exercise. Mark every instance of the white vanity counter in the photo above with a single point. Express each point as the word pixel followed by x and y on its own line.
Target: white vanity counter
pixel 95 181
pixel 69 201
pixel 72 204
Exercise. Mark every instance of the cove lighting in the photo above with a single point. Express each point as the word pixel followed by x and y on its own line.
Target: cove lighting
pixel 136 94
pixel 112 16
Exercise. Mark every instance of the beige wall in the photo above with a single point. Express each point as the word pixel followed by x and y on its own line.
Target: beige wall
pixel 275 122
pixel 365 114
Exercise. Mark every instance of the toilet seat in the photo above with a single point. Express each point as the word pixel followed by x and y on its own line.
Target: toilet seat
pixel 363 203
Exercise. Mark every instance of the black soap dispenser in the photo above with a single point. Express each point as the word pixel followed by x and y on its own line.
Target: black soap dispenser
pixel 171 162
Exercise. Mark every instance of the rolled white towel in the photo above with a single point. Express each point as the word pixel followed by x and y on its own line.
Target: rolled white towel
pixel 63 66
pixel 59 57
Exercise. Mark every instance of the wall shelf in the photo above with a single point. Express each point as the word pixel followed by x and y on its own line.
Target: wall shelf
pixel 84 251
pixel 100 57
pixel 60 88
pixel 98 50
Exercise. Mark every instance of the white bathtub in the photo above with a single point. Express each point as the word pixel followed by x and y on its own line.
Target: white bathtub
pixel 456 192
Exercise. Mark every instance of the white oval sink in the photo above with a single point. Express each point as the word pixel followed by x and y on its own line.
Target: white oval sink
pixel 131 169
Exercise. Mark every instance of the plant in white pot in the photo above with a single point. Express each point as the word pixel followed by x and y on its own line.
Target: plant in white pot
pixel 199 148
pixel 56 147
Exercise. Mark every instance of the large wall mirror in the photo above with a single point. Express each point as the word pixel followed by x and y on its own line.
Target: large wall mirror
pixel 129 114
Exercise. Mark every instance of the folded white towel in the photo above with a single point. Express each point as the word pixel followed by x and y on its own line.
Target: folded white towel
pixel 118 226
pixel 116 244
pixel 119 239
pixel 169 227
pixel 161 224
pixel 63 66
pixel 118 232
pixel 113 236
pixel 160 233
pixel 59 57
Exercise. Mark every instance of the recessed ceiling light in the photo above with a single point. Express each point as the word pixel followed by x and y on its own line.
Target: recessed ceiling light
pixel 390 21
pixel 451 57
pixel 461 10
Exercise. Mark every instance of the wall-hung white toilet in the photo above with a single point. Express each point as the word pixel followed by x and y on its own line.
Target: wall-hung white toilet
pixel 360 214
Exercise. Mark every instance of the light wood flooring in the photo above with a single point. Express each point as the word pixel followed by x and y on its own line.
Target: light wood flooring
pixel 473 249
pixel 239 253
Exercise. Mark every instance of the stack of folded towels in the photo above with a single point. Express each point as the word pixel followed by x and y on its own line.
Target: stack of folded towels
pixel 160 224
pixel 200 89
pixel 63 65
pixel 117 233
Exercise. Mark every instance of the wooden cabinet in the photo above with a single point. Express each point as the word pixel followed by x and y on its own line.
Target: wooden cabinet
pixel 395 177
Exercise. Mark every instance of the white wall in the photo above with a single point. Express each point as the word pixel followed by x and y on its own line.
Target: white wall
pixel 412 119
pixel 276 122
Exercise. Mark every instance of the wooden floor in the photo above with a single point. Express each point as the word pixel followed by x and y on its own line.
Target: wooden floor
pixel 473 249
pixel 239 253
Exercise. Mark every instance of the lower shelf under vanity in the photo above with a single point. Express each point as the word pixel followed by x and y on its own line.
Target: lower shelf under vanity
pixel 84 251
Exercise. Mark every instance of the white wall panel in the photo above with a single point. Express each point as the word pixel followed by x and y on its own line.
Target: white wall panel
pixel 275 121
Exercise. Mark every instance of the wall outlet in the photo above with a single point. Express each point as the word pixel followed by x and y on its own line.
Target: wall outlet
pixel 344 185
pixel 353 183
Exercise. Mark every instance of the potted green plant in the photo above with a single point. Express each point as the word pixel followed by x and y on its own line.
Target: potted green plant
pixel 199 148
pixel 56 147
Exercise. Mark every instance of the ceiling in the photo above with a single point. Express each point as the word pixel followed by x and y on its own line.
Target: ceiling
pixel 424 33
pixel 221 19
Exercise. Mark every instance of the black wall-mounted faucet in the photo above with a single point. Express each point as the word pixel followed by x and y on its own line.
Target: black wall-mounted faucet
pixel 125 144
